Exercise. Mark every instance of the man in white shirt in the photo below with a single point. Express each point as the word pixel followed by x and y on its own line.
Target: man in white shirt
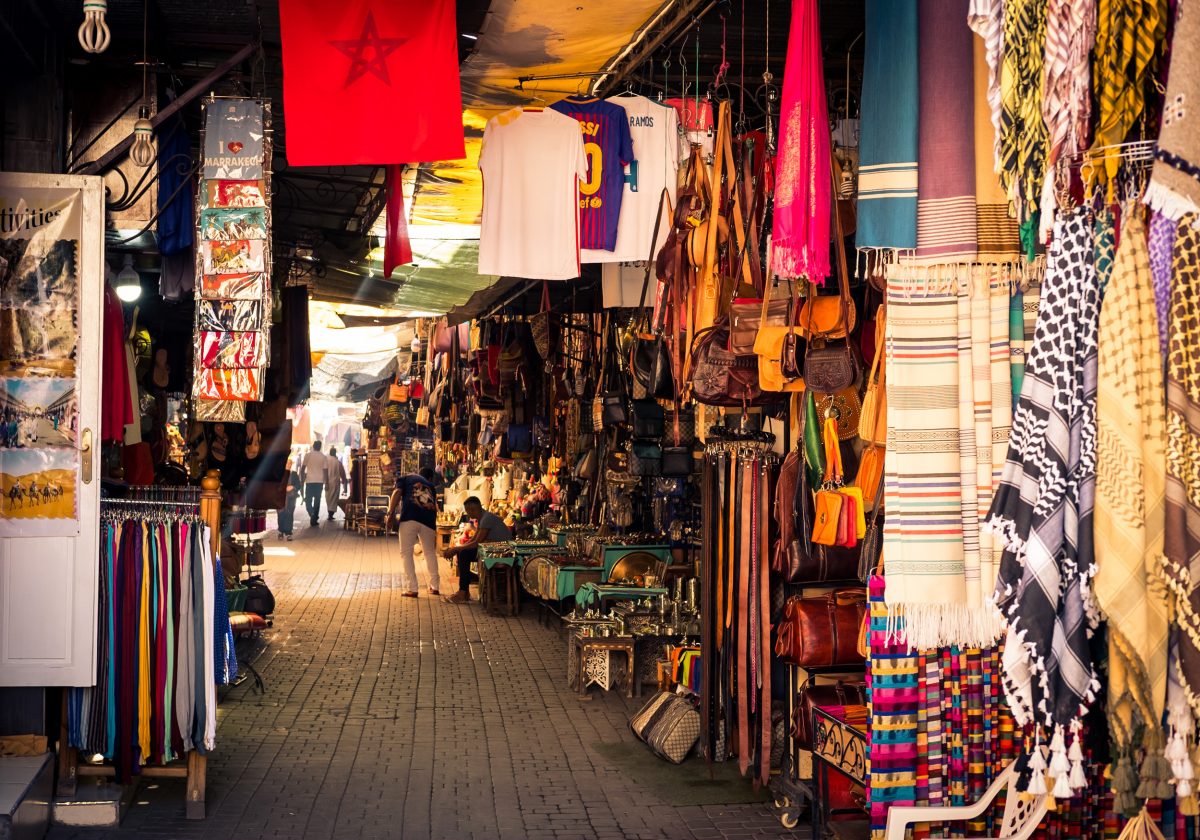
pixel 313 474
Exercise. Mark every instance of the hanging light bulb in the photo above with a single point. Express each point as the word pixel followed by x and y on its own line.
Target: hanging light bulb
pixel 142 151
pixel 129 283
pixel 93 32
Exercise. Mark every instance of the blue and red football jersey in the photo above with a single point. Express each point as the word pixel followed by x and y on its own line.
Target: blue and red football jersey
pixel 609 148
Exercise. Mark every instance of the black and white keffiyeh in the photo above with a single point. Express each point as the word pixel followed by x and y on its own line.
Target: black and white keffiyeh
pixel 1042 513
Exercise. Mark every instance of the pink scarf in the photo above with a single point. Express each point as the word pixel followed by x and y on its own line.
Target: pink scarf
pixel 800 235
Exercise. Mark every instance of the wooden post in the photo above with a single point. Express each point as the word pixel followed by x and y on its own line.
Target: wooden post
pixel 197 764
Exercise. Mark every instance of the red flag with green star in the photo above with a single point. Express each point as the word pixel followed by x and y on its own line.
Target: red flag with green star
pixel 370 82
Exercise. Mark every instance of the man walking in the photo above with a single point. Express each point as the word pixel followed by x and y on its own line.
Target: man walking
pixel 335 480
pixel 418 523
pixel 315 471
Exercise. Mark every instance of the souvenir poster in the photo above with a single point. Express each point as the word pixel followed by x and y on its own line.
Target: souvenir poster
pixel 236 194
pixel 240 384
pixel 233 139
pixel 229 315
pixel 40 233
pixel 229 223
pixel 230 350
pixel 233 257
pixel 245 286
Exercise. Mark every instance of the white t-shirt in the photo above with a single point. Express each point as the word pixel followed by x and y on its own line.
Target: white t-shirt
pixel 315 463
pixel 655 131
pixel 531 163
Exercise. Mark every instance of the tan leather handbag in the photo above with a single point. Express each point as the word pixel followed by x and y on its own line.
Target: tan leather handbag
pixel 872 425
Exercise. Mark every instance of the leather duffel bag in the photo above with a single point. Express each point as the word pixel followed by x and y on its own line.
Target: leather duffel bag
pixel 821 631
pixel 813 693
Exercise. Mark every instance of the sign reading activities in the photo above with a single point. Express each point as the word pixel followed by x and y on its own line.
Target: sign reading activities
pixel 40 231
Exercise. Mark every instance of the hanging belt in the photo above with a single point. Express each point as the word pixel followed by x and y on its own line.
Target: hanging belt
pixel 764 629
pixel 707 618
pixel 745 512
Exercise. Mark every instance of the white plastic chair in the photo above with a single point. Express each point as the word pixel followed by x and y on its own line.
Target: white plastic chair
pixel 1022 814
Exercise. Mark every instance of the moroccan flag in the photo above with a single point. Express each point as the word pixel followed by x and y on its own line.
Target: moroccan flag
pixel 370 82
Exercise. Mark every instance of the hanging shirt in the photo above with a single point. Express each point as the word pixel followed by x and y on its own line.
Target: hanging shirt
pixel 654 128
pixel 609 147
pixel 531 163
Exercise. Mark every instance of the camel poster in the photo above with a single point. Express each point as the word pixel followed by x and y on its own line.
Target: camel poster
pixel 36 484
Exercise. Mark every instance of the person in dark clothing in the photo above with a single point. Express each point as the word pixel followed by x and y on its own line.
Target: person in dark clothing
pixel 287 514
pixel 488 528
pixel 417 501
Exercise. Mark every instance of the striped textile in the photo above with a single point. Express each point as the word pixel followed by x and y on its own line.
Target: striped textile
pixel 1129 36
pixel 1130 586
pixel 996 232
pixel 945 152
pixel 986 19
pixel 1042 512
pixel 949 414
pixel 1174 188
pixel 887 177
pixel 1022 129
pixel 1066 81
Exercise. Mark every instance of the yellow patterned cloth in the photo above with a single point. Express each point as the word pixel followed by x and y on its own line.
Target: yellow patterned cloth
pixel 1182 537
pixel 1129 35
pixel 1130 585
pixel 1022 129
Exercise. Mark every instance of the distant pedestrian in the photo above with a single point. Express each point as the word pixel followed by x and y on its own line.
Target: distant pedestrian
pixel 286 515
pixel 335 480
pixel 314 472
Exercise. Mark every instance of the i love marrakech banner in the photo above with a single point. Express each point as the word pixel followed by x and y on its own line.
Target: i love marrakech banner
pixel 370 81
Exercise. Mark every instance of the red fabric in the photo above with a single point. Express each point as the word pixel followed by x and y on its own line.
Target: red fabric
pixel 370 81
pixel 397 250
pixel 116 408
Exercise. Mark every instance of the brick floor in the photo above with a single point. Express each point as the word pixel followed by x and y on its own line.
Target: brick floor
pixel 387 717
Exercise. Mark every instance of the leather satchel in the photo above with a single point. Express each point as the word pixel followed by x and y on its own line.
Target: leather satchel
pixel 647 419
pixel 830 365
pixel 822 631
pixel 748 316
pixel 721 377
pixel 813 694
pixel 779 350
pixel 803 561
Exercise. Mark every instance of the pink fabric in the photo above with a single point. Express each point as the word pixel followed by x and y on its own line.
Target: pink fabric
pixel 803 189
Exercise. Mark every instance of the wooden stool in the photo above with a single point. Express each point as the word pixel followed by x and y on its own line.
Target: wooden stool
pixel 593 662
pixel 498 589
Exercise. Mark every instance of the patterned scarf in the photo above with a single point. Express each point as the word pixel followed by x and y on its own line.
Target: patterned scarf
pixel 1162 240
pixel 1022 129
pixel 1174 187
pixel 1066 90
pixel 949 415
pixel 1130 586
pixel 1128 35
pixel 800 239
pixel 1042 513
pixel 996 231
pixel 887 179
pixel 1183 454
pixel 986 19
pixel 945 153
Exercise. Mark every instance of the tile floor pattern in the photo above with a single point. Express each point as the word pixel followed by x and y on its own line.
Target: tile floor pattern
pixel 387 717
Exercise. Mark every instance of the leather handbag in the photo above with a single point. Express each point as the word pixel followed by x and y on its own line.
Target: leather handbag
pixel 779 350
pixel 872 426
pixel 821 631
pixel 817 694
pixel 539 324
pixel 651 362
pixel 828 503
pixel 647 419
pixel 870 471
pixel 748 316
pixel 721 377
pixel 845 408
pixel 803 561
pixel 678 461
pixel 830 365
pixel 870 559
pixel 645 458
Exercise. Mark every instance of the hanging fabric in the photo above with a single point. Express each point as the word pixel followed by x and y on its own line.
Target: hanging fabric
pixel 1022 129
pixel 1042 513
pixel 800 237
pixel 1174 189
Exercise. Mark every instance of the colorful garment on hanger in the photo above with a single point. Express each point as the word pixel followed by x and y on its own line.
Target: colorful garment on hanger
pixel 164 643
pixel 801 217
pixel 1022 129
pixel 887 177
pixel 1129 34
pixel 1130 584
pixel 1174 188
pixel 946 222
pixel 949 411
pixel 1042 513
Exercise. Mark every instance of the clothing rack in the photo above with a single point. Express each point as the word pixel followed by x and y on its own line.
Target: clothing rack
pixel 194 768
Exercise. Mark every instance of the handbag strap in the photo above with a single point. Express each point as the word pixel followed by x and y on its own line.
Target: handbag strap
pixel 843 270
pixel 664 200
pixel 880 323
pixel 833 452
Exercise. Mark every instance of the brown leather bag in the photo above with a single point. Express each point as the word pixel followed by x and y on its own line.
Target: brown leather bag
pixel 796 558
pixel 822 631
pixel 722 377
pixel 812 693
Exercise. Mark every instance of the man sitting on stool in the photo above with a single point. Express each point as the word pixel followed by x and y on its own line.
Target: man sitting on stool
pixel 488 528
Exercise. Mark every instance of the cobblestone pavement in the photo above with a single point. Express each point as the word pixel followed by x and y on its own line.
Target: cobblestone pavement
pixel 389 717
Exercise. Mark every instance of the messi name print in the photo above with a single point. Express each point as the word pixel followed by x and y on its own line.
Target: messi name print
pixel 609 147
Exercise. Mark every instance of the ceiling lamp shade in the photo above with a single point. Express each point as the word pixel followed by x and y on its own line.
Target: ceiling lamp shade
pixel 129 283
pixel 142 151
